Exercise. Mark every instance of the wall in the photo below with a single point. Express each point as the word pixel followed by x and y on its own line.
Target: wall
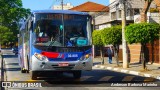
pixel 102 19
pixel 154 17
pixel 153 51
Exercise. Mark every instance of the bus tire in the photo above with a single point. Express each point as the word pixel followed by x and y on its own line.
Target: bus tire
pixel 77 74
pixel 34 75
pixel 23 70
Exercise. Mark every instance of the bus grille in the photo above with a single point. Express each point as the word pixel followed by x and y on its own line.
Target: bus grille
pixel 63 68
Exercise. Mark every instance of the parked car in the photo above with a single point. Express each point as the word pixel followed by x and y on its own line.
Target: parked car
pixel 15 50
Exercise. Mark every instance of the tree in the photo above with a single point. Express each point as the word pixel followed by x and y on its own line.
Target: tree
pixel 145 9
pixel 4 34
pixel 113 36
pixel 97 40
pixel 142 33
pixel 11 12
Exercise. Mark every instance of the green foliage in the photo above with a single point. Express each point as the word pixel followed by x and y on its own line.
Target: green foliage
pixel 5 34
pixel 96 37
pixel 112 35
pixel 142 32
pixel 11 12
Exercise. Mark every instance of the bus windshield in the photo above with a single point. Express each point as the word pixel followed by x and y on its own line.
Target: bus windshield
pixel 49 30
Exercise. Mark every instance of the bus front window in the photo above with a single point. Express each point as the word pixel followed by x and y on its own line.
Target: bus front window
pixel 47 33
pixel 72 32
pixel 75 36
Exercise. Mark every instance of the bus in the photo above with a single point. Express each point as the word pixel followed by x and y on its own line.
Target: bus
pixel 55 40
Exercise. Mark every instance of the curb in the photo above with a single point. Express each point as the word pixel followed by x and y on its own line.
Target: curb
pixel 134 72
pixel 126 71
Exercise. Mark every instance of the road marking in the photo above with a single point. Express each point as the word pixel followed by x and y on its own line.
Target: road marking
pixel 128 78
pixel 31 80
pixel 14 79
pixel 149 79
pixel 106 78
pixel 83 78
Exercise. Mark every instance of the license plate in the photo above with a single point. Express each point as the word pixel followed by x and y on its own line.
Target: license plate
pixel 63 64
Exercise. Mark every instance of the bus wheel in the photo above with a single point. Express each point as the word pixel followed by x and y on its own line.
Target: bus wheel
pixel 33 75
pixel 23 70
pixel 77 74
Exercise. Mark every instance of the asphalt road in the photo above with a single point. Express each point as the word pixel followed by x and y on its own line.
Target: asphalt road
pixel 97 79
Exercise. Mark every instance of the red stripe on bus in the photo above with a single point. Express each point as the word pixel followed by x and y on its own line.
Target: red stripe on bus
pixel 50 54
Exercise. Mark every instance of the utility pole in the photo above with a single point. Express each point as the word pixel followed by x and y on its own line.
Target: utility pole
pixel 124 43
pixel 62 4
pixel 63 24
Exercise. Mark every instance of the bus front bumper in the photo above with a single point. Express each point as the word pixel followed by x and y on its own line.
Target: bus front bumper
pixel 38 65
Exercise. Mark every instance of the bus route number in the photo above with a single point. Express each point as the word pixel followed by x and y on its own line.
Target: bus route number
pixel 72 55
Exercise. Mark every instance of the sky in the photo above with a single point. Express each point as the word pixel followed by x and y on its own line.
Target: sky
pixel 46 4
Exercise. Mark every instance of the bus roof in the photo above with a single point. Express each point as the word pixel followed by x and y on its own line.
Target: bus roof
pixel 60 12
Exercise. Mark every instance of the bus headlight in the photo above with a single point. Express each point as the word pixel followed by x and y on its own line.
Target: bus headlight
pixel 85 57
pixel 41 57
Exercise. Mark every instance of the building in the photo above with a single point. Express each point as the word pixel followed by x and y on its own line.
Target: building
pixel 99 13
pixel 65 6
pixel 133 7
pixel 133 10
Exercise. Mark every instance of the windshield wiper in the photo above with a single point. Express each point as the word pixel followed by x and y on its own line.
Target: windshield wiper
pixel 53 41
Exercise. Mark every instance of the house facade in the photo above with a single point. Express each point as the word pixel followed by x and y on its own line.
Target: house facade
pixel 99 13
pixel 133 10
pixel 133 7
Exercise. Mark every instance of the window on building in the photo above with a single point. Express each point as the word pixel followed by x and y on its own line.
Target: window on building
pixel 96 27
pixel 113 15
pixel 136 11
pixel 128 12
pixel 132 12
pixel 119 13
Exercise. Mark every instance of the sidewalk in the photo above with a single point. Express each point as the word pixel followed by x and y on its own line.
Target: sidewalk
pixel 0 66
pixel 134 68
